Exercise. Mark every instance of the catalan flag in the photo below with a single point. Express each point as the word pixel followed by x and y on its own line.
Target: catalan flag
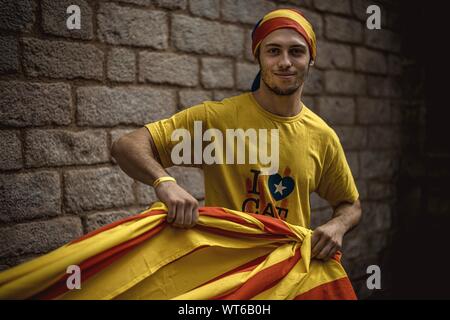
pixel 227 255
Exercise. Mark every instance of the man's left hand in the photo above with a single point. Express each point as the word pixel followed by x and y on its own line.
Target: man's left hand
pixel 327 240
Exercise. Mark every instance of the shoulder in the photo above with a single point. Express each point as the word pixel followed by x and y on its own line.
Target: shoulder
pixel 318 129
pixel 226 106
pixel 228 102
pixel 215 112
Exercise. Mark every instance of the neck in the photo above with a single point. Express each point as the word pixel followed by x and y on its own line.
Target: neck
pixel 284 106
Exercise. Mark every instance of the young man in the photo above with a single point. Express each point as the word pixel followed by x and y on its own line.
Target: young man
pixel 308 154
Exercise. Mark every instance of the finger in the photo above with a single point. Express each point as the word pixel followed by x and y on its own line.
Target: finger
pixel 315 238
pixel 332 252
pixel 194 215
pixel 197 214
pixel 171 212
pixel 318 247
pixel 325 250
pixel 179 219
pixel 188 215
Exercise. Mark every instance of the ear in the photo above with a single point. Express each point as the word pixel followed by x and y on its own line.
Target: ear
pixel 256 57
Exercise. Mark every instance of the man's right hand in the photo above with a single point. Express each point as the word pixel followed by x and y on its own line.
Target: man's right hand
pixel 183 208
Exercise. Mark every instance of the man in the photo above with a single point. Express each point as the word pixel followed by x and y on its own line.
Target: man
pixel 310 157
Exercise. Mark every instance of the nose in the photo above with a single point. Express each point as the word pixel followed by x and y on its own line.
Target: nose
pixel 284 62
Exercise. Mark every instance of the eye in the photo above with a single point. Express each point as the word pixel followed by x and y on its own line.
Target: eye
pixel 297 51
pixel 273 50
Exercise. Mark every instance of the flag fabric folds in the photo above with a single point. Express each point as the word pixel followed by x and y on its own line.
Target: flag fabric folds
pixel 227 255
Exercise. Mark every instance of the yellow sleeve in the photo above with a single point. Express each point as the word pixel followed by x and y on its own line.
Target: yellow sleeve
pixel 161 131
pixel 336 183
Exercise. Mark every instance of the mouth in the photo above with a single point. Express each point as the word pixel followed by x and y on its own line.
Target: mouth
pixel 285 75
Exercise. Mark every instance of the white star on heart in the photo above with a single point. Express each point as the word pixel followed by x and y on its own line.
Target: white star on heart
pixel 279 187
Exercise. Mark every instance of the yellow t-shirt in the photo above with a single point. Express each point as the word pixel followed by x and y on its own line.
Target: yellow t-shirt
pixel 311 158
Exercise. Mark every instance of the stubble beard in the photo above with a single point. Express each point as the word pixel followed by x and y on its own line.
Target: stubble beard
pixel 279 91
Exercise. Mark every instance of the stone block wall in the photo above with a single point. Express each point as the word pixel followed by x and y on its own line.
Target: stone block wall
pixel 66 95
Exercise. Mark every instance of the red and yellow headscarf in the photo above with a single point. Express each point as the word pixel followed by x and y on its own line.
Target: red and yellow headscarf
pixel 283 18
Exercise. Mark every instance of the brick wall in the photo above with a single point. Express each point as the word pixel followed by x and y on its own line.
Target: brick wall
pixel 66 95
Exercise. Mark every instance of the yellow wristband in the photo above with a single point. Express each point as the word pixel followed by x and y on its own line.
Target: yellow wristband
pixel 163 179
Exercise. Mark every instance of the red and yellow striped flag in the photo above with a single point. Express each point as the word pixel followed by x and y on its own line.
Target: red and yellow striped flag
pixel 227 255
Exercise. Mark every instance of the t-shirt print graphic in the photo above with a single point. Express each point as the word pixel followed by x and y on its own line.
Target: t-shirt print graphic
pixel 264 193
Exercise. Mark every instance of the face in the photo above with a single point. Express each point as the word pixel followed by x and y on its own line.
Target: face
pixel 284 61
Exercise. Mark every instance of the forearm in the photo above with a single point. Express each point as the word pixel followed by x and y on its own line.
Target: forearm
pixel 347 215
pixel 136 154
pixel 327 238
pixel 135 158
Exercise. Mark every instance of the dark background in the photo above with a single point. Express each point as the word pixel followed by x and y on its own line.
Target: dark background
pixel 419 256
